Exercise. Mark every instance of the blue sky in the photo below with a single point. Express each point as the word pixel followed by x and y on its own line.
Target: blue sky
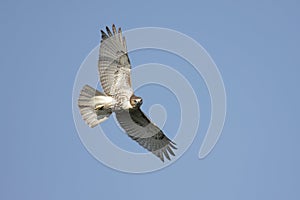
pixel 255 46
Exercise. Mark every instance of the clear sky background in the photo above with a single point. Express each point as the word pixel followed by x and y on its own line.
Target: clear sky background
pixel 256 48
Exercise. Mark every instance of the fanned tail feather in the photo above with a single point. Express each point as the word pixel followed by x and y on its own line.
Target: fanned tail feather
pixel 94 106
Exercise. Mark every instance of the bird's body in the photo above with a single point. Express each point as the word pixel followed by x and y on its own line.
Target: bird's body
pixel 95 107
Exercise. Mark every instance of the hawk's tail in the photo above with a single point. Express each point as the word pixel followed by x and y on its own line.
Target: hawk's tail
pixel 95 107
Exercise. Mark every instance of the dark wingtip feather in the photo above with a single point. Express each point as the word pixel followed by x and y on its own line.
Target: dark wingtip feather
pixel 161 156
pixel 114 29
pixel 172 144
pixel 108 31
pixel 170 151
pixel 166 154
pixel 103 35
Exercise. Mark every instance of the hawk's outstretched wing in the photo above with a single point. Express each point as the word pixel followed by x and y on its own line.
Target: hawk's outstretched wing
pixel 114 65
pixel 140 129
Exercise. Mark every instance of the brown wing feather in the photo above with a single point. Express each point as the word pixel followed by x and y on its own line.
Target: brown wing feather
pixel 148 135
pixel 114 64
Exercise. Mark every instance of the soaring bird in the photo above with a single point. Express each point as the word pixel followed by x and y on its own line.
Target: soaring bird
pixel 95 107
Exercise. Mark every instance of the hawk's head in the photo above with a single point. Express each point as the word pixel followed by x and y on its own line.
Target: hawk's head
pixel 136 101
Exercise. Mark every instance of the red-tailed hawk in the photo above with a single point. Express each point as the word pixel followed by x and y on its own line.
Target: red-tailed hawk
pixel 95 107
